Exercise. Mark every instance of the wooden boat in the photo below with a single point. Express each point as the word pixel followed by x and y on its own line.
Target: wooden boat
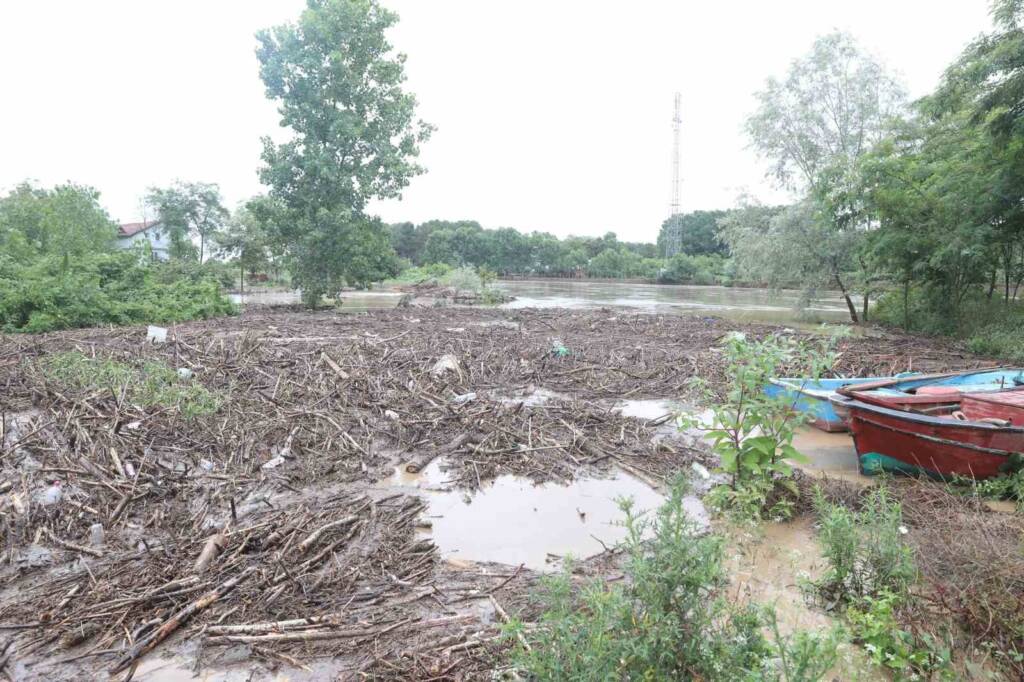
pixel 893 439
pixel 813 396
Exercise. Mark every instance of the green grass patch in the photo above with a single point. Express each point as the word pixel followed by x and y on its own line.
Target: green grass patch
pixel 149 385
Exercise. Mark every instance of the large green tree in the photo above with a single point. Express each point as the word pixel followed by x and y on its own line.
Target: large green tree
pixel 693 233
pixel 188 211
pixel 814 126
pixel 354 137
pixel 66 221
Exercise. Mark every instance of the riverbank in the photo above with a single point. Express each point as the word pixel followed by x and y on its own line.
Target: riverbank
pixel 331 494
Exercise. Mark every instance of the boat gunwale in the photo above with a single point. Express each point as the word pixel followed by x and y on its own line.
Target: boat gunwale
pixel 854 404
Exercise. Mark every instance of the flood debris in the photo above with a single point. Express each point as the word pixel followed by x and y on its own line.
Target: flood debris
pixel 204 545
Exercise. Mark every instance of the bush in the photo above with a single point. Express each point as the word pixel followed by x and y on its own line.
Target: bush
pixel 751 432
pixel 115 288
pixel 704 269
pixel 668 620
pixel 865 550
pixel 464 280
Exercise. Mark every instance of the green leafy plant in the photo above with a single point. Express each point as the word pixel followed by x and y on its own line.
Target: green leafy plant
pixel 752 432
pixel 866 551
pixel 874 625
pixel 668 620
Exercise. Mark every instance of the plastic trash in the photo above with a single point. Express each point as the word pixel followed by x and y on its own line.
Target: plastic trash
pixel 701 470
pixel 464 398
pixel 96 534
pixel 156 334
pixel 446 363
pixel 273 463
pixel 558 349
pixel 184 373
pixel 50 495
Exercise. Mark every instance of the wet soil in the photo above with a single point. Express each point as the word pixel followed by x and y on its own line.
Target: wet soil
pixel 274 534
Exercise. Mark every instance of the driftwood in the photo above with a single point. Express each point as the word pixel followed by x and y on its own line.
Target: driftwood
pixel 150 641
pixel 214 545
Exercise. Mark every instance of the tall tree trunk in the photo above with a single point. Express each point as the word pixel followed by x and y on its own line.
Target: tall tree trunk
pixel 202 248
pixel 864 309
pixel 849 301
pixel 992 283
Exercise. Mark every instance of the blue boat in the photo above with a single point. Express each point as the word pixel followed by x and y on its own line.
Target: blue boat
pixel 813 396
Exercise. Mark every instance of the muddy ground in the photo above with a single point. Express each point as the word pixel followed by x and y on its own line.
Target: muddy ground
pixel 330 517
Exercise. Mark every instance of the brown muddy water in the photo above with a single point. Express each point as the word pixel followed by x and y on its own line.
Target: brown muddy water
pixel 741 304
pixel 513 521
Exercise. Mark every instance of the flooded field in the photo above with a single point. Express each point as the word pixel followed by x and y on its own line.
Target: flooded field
pixel 351 301
pixel 279 514
pixel 748 305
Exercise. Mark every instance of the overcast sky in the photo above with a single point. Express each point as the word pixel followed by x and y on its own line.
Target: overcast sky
pixel 552 114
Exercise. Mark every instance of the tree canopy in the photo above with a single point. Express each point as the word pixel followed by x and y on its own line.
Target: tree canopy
pixel 187 211
pixel 339 87
pixel 65 221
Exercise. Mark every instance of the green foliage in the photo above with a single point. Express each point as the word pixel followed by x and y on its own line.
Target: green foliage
pixel 245 239
pixel 694 233
pixel 865 550
pixel 151 384
pixel 354 138
pixel 1007 487
pixel 873 625
pixel 66 221
pixel 683 268
pixel 751 432
pixel 119 288
pixel 668 620
pixel 186 210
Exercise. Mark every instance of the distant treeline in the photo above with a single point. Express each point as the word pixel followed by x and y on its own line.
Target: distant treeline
pixel 687 250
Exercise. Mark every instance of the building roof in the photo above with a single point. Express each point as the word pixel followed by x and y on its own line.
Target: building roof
pixel 131 229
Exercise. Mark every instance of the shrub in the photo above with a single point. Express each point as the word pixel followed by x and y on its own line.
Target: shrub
pixel 668 620
pixel 115 288
pixel 865 550
pixel 464 280
pixel 752 433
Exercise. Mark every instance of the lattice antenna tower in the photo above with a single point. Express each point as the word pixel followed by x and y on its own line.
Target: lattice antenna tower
pixel 674 242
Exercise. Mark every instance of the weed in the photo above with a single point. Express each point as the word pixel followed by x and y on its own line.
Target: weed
pixel 154 383
pixel 874 625
pixel 865 549
pixel 667 620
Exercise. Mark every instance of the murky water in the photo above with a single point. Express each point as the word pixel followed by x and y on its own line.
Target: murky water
pixel 512 521
pixel 748 305
pixel 351 301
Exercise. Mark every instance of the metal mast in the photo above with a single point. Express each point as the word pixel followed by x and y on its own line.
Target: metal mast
pixel 677 122
pixel 674 239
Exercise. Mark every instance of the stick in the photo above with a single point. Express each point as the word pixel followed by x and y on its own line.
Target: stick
pixel 71 546
pixel 150 641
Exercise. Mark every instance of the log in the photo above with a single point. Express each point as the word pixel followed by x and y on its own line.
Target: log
pixel 215 544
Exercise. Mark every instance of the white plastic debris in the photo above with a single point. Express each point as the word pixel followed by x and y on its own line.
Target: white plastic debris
pixel 184 373
pixel 133 425
pixel 96 534
pixel 206 465
pixel 156 334
pixel 446 363
pixel 464 398
pixel 391 414
pixel 273 463
pixel 50 495
pixel 701 470
pixel 129 470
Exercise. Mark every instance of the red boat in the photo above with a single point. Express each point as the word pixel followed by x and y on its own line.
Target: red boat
pixel 973 435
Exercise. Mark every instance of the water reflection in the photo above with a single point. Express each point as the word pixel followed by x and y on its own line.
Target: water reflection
pixel 748 305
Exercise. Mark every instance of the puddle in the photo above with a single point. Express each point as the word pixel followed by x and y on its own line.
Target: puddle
pixel 512 521
pixel 650 409
pixel 534 397
pixel 179 669
pixel 831 454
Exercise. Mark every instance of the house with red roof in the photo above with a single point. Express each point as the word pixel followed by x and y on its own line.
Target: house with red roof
pixel 149 234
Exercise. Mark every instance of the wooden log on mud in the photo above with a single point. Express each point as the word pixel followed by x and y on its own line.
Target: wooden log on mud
pixel 150 641
pixel 215 544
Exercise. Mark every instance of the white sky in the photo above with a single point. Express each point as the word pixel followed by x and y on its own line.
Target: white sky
pixel 552 114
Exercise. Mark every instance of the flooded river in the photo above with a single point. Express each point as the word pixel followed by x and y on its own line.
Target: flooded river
pixel 747 305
